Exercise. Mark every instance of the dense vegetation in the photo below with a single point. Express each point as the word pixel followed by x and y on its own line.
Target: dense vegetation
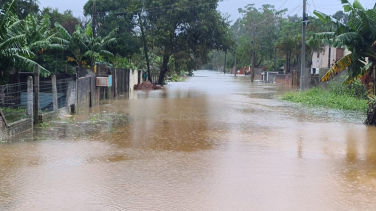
pixel 351 97
pixel 163 36
pixel 357 32
pixel 277 37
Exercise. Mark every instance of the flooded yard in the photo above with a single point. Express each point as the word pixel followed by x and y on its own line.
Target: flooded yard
pixel 214 142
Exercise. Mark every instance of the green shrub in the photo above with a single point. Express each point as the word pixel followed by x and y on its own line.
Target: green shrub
pixel 329 99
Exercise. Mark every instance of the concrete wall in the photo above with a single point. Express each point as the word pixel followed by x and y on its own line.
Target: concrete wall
pixel 258 73
pixel 3 129
pixel 15 128
pixel 20 127
pixel 320 60
pixel 133 79
pixel 283 79
pixel 83 93
pixel 71 93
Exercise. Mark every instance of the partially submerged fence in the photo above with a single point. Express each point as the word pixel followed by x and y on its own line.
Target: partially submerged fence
pixel 13 101
pixel 36 100
pixel 23 103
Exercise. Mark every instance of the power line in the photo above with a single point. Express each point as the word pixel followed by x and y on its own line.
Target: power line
pixel 282 5
pixel 299 5
pixel 163 8
pixel 314 4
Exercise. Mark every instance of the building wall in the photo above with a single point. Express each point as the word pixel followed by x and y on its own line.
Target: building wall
pixel 320 60
pixel 133 79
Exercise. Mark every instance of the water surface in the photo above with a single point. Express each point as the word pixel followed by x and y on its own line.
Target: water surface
pixel 214 142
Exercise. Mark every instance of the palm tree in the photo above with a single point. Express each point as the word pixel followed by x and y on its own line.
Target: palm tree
pixel 13 41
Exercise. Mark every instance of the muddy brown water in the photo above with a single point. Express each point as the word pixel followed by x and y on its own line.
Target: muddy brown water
pixel 213 142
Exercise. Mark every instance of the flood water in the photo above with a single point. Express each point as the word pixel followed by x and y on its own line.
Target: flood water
pixel 213 142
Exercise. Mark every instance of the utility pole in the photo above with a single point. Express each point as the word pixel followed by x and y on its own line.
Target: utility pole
pixel 93 16
pixel 214 60
pixel 253 55
pixel 224 66
pixel 303 70
pixel 235 62
pixel 330 52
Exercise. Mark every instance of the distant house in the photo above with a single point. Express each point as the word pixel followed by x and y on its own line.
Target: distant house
pixel 327 58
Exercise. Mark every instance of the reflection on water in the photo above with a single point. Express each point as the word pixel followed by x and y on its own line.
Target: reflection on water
pixel 212 143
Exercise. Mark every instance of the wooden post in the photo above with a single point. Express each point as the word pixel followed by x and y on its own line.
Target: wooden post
pixel 104 95
pixel 30 97
pixel 115 83
pixel 36 95
pixel 374 80
pixel 54 93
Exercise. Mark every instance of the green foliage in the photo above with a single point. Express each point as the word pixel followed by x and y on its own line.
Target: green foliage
pixel 121 62
pixel 66 19
pixel 45 125
pixel 327 99
pixel 23 7
pixel 13 42
pixel 357 36
pixel 355 90
pixel 14 114
pixel 114 15
pixel 186 34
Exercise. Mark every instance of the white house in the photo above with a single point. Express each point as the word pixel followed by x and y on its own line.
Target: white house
pixel 327 58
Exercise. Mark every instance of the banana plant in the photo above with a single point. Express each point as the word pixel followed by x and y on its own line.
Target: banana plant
pixel 13 41
pixel 97 46
pixel 358 36
pixel 40 37
pixel 76 44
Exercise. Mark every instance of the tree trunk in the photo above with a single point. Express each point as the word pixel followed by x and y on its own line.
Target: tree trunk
pixel 164 69
pixel 145 46
pixel 224 67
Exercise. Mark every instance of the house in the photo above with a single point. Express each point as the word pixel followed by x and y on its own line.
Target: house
pixel 327 58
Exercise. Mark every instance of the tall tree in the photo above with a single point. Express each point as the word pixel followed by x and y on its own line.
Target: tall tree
pixel 112 15
pixel 182 26
pixel 23 7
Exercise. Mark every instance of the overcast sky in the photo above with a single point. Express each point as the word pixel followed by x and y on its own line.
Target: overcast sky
pixel 229 6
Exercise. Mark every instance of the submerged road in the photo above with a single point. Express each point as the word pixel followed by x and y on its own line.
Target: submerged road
pixel 214 142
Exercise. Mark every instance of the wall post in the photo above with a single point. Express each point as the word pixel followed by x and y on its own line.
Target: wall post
pixel 36 94
pixel 30 97
pixel 54 92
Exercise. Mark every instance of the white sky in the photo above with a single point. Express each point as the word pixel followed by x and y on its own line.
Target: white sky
pixel 229 6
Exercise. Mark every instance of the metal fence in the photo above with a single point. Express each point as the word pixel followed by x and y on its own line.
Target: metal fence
pixel 13 101
pixel 62 89
pixel 45 96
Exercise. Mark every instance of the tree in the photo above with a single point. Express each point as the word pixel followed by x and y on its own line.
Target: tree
pixel 289 43
pixel 23 7
pixel 256 30
pixel 66 19
pixel 341 16
pixel 180 26
pixel 111 15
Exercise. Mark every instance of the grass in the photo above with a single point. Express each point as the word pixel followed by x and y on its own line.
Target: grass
pixel 14 114
pixel 328 99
